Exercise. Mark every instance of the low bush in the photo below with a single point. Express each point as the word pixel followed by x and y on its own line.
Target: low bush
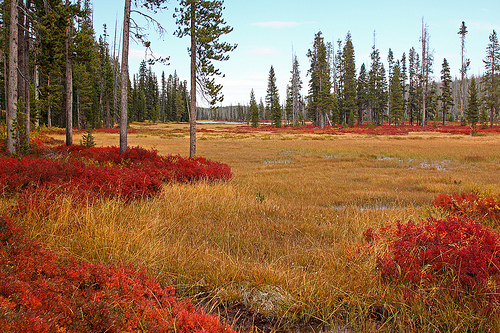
pixel 40 293
pixel 454 254
pixel 103 172
pixel 470 205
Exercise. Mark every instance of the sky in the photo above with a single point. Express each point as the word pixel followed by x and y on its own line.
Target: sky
pixel 268 32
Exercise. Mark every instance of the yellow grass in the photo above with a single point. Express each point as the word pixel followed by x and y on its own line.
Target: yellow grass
pixel 284 237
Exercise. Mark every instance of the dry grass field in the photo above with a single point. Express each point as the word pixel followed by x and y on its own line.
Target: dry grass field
pixel 284 237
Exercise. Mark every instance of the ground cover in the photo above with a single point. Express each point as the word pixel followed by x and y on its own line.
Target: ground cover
pixel 286 239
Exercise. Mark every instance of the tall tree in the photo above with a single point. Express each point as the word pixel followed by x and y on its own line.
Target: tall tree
pixel 202 20
pixel 348 81
pixel 362 93
pixel 463 69
pixel 414 86
pixel 473 103
pixel 446 97
pixel 12 78
pixel 390 62
pixel 254 110
pixel 152 5
pixel 396 96
pixel 296 86
pixel 492 76
pixel 320 96
pixel 377 87
pixel 124 77
pixel 69 79
pixel 273 99
pixel 426 69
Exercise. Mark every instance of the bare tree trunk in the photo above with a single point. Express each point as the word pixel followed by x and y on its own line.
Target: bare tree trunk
pixel 69 86
pixel 26 71
pixel 37 95
pixel 108 114
pixel 116 74
pixel 12 79
pixel 21 51
pixel 124 79
pixel 49 110
pixel 6 86
pixel 424 71
pixel 78 111
pixel 192 118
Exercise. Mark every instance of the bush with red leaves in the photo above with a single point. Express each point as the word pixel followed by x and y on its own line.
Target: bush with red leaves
pixel 453 253
pixel 470 205
pixel 40 293
pixel 102 172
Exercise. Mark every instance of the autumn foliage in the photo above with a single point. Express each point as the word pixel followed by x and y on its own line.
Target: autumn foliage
pixel 452 252
pixel 94 173
pixel 471 205
pixel 40 293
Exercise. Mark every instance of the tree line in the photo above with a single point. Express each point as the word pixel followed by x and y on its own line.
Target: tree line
pixel 64 75
pixel 55 71
pixel 338 94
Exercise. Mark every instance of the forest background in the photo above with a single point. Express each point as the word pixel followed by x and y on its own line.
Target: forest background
pixel 159 92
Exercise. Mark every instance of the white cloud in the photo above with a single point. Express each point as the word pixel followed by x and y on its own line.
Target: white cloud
pixel 279 24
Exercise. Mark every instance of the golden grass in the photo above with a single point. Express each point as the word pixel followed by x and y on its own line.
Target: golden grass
pixel 284 236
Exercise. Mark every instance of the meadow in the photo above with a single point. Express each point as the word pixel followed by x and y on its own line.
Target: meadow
pixel 285 244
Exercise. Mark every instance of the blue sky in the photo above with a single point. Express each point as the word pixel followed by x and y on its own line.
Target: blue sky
pixel 267 31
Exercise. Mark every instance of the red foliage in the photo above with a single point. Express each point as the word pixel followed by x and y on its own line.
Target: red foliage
pixel 40 293
pixel 452 253
pixel 470 204
pixel 96 172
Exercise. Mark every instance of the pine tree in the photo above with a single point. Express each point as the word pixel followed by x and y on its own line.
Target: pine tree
pixel 396 96
pixel 254 110
pixel 446 97
pixel 348 80
pixel 432 101
pixel 296 86
pixel 203 22
pixel 390 61
pixel 414 87
pixel 362 93
pixel 272 98
pixel 492 76
pixel 320 96
pixel 473 103
pixel 404 80
pixel 463 69
pixel 262 110
pixel 377 88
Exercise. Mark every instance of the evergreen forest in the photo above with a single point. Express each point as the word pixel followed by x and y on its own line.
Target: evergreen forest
pixel 338 91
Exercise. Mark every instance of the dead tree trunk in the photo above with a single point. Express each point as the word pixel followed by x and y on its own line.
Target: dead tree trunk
pixel 124 79
pixel 12 78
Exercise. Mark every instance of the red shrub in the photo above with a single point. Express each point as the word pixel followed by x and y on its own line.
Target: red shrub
pixel 91 173
pixel 40 293
pixel 453 253
pixel 470 205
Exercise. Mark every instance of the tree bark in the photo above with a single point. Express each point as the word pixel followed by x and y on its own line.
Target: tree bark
pixel 12 79
pixel 37 95
pixel 26 71
pixel 424 64
pixel 124 78
pixel 69 86
pixel 192 113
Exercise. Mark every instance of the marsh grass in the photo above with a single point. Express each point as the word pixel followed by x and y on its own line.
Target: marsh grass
pixel 298 254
